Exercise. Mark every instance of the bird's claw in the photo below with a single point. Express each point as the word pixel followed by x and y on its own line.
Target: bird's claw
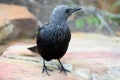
pixel 45 69
pixel 62 69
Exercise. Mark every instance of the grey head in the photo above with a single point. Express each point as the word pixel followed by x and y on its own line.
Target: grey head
pixel 62 12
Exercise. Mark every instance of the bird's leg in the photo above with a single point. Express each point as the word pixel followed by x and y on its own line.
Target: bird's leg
pixel 45 68
pixel 61 67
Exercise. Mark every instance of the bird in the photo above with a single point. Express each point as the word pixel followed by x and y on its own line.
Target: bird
pixel 52 39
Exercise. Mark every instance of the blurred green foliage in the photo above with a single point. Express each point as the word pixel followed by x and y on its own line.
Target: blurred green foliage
pixel 79 23
pixel 114 5
pixel 91 20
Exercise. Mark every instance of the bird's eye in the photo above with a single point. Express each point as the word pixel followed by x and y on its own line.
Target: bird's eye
pixel 67 10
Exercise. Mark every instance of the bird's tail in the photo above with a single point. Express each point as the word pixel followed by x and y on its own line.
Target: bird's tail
pixel 33 49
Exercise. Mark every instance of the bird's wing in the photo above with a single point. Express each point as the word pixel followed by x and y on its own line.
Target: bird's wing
pixel 40 30
pixel 34 48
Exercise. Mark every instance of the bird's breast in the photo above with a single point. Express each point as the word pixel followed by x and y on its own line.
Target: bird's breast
pixel 56 33
pixel 61 35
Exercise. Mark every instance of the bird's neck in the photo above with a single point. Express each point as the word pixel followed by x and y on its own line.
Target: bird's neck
pixel 57 20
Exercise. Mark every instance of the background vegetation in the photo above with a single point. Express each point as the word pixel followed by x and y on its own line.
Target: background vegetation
pixel 101 16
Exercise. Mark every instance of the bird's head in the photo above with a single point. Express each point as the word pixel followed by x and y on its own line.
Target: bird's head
pixel 62 12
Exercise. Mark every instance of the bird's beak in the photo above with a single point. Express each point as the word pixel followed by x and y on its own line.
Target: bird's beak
pixel 76 9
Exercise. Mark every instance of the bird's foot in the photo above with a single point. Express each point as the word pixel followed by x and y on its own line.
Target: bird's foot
pixel 62 69
pixel 45 69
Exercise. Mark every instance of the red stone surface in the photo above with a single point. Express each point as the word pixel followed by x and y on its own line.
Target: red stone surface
pixel 77 55
pixel 21 71
pixel 16 63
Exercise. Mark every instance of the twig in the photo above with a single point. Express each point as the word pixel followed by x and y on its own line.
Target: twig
pixel 100 15
pixel 105 23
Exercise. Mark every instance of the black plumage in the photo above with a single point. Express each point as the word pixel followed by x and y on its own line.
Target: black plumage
pixel 53 38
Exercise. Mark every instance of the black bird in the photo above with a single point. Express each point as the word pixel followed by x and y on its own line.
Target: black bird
pixel 53 38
